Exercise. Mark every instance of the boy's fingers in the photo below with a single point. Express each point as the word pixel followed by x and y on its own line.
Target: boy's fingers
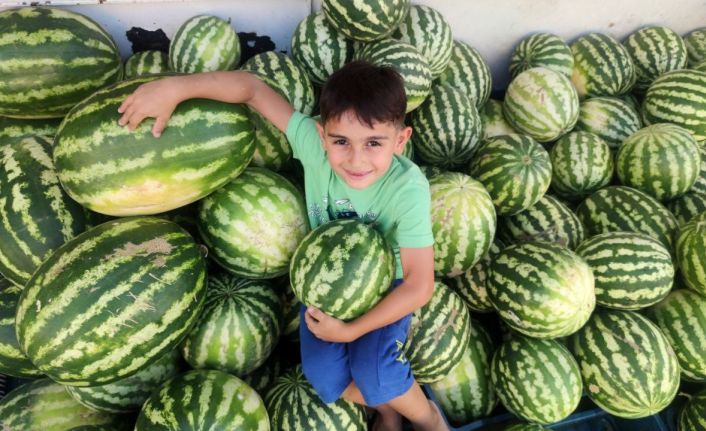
pixel 159 126
pixel 135 121
pixel 125 104
pixel 315 313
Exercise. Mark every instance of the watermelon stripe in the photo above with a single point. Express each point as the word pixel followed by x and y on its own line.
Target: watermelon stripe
pixel 654 51
pixel 602 66
pixel 542 50
pixel 203 44
pixel 318 48
pixel 609 118
pixel 469 72
pixel 427 30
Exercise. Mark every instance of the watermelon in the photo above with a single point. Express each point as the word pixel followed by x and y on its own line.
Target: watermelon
pixel 541 289
pixel 280 72
pixel 493 120
pixel 469 72
pixel 687 206
pixel 290 311
pixel 602 66
pixel 696 46
pixel 682 318
pixel 471 285
pixel 318 48
pixel 365 20
pixel 58 59
pixel 620 208
pixel 427 30
pixel 678 97
pixel 293 404
pixel 514 169
pixel 127 395
pixel 47 406
pixel 610 118
pixel 438 335
pixel 541 103
pixel 542 50
pixel 632 270
pixel 202 400
pixel 407 61
pixel 113 171
pixel 662 160
pixel 582 163
pixel 537 380
pixel 693 415
pixel 447 128
pixel 204 43
pixel 238 327
pixel 547 220
pixel 467 392
pixel 231 223
pixel 13 128
pixel 655 50
pixel 13 361
pixel 691 253
pixel 146 63
pixel 461 237
pixel 36 215
pixel 266 374
pixel 350 277
pixel 627 365
pixel 123 293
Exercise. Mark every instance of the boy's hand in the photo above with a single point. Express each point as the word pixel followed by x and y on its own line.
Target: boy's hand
pixel 328 328
pixel 155 99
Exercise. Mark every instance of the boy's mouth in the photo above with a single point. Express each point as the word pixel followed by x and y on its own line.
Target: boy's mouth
pixel 356 175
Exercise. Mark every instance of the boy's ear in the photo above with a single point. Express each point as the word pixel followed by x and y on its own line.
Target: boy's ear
pixel 402 139
pixel 320 128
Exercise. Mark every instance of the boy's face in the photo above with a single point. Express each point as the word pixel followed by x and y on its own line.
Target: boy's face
pixel 360 154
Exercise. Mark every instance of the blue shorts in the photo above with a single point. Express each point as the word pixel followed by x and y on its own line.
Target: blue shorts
pixel 375 361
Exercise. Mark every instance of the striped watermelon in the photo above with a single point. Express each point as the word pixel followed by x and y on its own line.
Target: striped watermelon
pixel 542 50
pixel 318 48
pixel 547 220
pixel 699 66
pixel 467 392
pixel 662 160
pixel 469 72
pixel 447 128
pixel 493 120
pixel 231 223
pixel 632 100
pixel 280 72
pixel 537 380
pixel 632 270
pixel 541 289
pixel 123 293
pixel 471 285
pixel 293 405
pixel 611 118
pixel 238 327
pixel 12 128
pixel 693 415
pixel 407 61
pixel 462 236
pixel 204 43
pixel 146 63
pixel 58 59
pixel 13 361
pixel 620 208
pixel 365 20
pixel 47 406
pixel 628 367
pixel 203 400
pixel 696 46
pixel 687 206
pixel 582 163
pixel 438 335
pixel 266 374
pixel 602 66
pixel 36 215
pixel 541 103
pixel 343 267
pixel 682 318
pixel 427 30
pixel 691 253
pixel 127 395
pixel 111 170
pixel 655 50
pixel 678 97
pixel 514 169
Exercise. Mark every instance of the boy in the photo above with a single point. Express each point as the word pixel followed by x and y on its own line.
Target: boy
pixel 352 169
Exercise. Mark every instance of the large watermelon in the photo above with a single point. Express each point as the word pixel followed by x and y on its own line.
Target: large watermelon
pixel 582 163
pixel 111 301
pixel 655 50
pixel 469 72
pixel 204 43
pixel 696 46
pixel 542 50
pixel 52 59
pixel 111 170
pixel 365 20
pixel 611 118
pixel 602 66
pixel 426 29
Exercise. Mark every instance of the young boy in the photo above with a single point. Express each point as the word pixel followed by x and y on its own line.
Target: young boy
pixel 352 169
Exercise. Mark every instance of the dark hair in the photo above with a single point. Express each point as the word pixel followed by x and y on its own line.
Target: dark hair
pixel 373 93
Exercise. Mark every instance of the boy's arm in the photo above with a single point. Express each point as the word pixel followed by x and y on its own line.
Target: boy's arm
pixel 413 293
pixel 158 99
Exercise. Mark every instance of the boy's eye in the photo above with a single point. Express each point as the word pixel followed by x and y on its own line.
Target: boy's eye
pixel 374 143
pixel 340 142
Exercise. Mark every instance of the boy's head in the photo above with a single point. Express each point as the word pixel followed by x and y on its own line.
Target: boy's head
pixel 362 121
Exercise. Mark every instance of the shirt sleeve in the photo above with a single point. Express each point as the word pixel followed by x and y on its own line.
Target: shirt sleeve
pixel 304 138
pixel 414 215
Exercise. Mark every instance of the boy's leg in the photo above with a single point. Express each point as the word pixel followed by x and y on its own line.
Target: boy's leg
pixel 421 412
pixel 387 420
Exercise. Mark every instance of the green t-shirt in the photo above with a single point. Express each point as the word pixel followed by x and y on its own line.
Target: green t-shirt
pixel 398 204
